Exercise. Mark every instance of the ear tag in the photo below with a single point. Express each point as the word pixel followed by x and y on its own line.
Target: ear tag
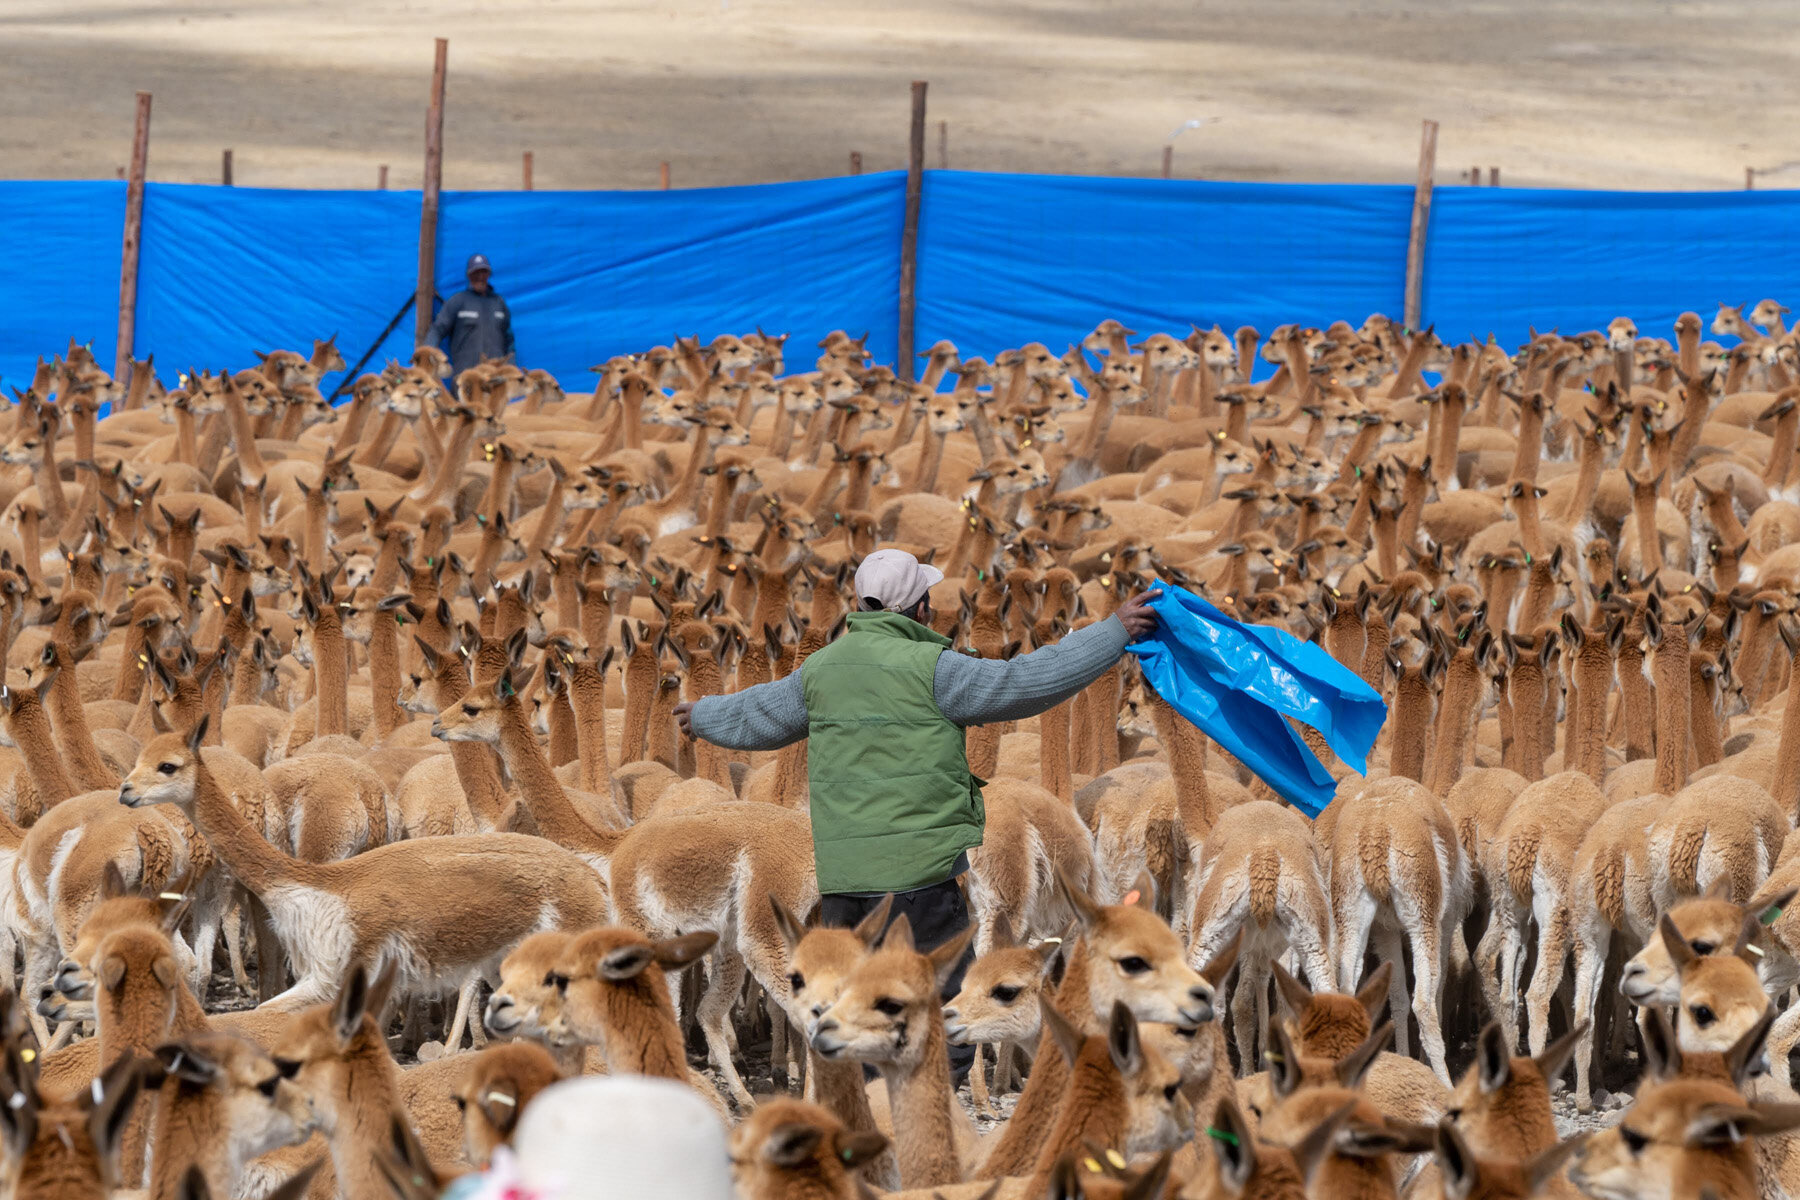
pixel 1131 897
pixel 96 1091
pixel 1116 1159
pixel 170 896
pixel 1772 915
pixel 27 1054
pixel 1754 949
pixel 1093 1165
pixel 502 1098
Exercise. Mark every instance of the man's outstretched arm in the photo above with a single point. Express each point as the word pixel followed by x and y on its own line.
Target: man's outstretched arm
pixel 765 717
pixel 980 691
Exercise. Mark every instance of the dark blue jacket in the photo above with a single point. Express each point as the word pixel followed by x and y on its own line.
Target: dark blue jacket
pixel 478 325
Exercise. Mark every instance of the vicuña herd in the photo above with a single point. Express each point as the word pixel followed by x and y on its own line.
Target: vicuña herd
pixel 339 735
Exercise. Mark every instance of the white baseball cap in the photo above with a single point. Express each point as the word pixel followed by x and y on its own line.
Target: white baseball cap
pixel 895 580
pixel 622 1137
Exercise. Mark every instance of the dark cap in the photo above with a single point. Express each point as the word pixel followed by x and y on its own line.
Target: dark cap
pixel 478 262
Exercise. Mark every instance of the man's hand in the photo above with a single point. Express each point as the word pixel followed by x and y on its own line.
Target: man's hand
pixel 1136 615
pixel 684 717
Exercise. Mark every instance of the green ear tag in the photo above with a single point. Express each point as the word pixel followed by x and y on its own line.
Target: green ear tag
pixel 1222 1135
pixel 430 563
pixel 1772 915
pixel 506 686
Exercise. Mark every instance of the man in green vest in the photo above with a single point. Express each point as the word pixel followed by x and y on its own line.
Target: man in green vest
pixel 894 807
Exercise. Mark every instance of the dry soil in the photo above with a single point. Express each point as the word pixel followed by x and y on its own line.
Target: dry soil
pixel 317 93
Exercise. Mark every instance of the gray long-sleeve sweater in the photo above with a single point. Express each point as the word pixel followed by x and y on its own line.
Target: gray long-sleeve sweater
pixel 969 691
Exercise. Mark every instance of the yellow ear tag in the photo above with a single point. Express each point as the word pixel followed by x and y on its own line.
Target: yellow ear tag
pixel 1116 1159
pixel 1093 1165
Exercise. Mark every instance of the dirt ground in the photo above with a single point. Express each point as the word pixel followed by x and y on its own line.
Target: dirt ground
pixel 317 93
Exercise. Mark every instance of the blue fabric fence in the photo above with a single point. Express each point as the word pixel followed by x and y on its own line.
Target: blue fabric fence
pixel 1003 259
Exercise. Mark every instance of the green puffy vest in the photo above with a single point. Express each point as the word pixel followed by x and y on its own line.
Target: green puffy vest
pixel 893 803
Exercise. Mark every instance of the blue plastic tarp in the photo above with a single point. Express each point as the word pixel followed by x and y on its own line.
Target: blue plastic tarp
pixel 1237 682
pixel 1502 260
pixel 62 244
pixel 1003 260
pixel 592 274
pixel 225 272
pixel 1010 259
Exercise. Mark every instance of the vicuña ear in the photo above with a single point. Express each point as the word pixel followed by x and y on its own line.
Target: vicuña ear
pixel 1122 1040
pixel 1284 1061
pixel 1296 995
pixel 1215 971
pixel 1662 1052
pixel 678 952
pixel 627 962
pixel 944 958
pixel 110 1102
pixel 792 1145
pixel 1233 1145
pixel 193 1185
pixel 855 1149
pixel 1068 1039
pixel 870 928
pixel 899 935
pixel 1354 1067
pixel 791 930
pixel 1556 1055
pixel 1456 1162
pixel 1086 911
pixel 1373 994
pixel 182 1061
pixel 197 734
pixel 1680 953
pixel 352 1002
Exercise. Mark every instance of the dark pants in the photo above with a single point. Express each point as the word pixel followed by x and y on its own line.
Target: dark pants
pixel 937 914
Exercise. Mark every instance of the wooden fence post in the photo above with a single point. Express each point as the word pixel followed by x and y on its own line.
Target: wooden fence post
pixel 381 178
pixel 134 230
pixel 527 170
pixel 943 145
pixel 1421 218
pixel 909 230
pixel 1168 160
pixel 664 173
pixel 1493 176
pixel 1749 179
pixel 428 206
pixel 856 162
pixel 225 169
